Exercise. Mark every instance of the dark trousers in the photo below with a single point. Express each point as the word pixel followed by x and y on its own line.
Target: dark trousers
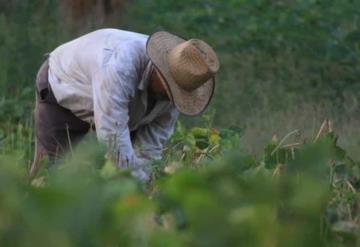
pixel 57 129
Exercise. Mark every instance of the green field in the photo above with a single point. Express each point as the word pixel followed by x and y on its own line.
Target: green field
pixel 273 161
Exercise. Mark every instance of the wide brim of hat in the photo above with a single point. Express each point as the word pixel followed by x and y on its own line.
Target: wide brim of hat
pixel 190 103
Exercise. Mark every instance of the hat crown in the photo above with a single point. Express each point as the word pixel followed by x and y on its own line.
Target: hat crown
pixel 192 63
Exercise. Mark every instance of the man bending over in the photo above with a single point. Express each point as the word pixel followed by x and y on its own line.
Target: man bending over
pixel 126 86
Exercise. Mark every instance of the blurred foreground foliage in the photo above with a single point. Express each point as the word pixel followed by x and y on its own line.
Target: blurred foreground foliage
pixel 205 192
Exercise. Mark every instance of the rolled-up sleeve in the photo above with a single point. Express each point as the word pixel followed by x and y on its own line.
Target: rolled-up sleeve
pixel 150 138
pixel 113 88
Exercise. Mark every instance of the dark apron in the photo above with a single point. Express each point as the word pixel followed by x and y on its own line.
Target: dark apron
pixel 56 127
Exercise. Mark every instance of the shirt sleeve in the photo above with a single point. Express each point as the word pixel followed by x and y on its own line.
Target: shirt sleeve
pixel 150 138
pixel 113 88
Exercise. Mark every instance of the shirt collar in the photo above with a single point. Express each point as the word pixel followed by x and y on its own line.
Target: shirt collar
pixel 145 79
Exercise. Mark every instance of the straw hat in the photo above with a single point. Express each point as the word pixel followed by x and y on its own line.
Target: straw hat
pixel 188 68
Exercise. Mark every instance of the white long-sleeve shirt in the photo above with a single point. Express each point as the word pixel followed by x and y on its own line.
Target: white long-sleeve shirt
pixel 103 78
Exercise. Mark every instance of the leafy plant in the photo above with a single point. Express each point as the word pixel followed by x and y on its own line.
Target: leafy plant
pixel 225 198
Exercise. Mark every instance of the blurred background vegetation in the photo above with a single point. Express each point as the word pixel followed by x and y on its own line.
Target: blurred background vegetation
pixel 284 64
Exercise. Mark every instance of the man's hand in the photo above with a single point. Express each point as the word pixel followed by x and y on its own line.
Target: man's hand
pixel 142 169
pixel 141 174
pixel 132 162
pixel 142 163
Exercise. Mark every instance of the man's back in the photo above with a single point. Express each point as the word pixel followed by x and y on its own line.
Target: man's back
pixel 74 65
